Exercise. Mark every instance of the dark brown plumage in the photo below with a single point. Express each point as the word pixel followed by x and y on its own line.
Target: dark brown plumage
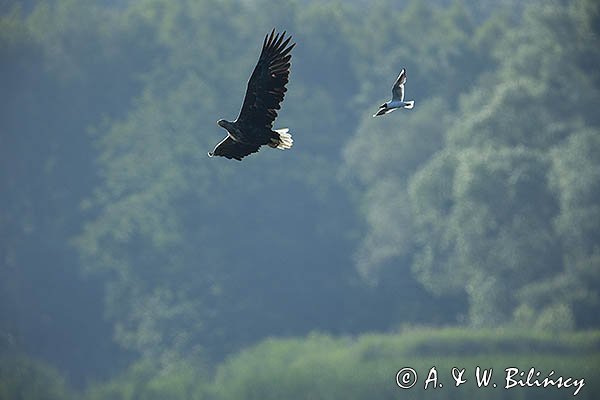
pixel 266 89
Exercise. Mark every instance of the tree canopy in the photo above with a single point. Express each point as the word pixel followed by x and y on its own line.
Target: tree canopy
pixel 480 207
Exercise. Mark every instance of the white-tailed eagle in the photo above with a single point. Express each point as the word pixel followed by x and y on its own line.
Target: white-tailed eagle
pixel 397 97
pixel 253 128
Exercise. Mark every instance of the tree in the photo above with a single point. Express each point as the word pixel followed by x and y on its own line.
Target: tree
pixel 204 256
pixel 28 379
pixel 575 178
pixel 53 66
pixel 497 232
pixel 482 207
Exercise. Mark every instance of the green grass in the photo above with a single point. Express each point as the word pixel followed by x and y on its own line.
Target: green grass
pixel 350 368
pixel 321 367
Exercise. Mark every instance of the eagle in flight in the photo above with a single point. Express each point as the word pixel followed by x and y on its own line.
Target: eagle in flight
pixel 253 127
pixel 397 97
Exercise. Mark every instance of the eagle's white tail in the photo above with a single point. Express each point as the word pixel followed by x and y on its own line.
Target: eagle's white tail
pixel 285 139
pixel 409 104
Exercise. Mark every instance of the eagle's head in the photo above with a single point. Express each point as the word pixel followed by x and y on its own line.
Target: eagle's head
pixel 224 123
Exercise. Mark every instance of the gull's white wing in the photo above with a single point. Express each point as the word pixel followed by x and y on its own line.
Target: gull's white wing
pixel 398 88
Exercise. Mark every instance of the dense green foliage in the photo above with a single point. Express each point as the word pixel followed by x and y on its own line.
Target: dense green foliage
pixel 320 367
pixel 24 379
pixel 323 367
pixel 144 380
pixel 126 252
pixel 475 200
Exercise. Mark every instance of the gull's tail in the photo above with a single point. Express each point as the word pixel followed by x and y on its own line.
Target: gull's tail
pixel 282 139
pixel 409 104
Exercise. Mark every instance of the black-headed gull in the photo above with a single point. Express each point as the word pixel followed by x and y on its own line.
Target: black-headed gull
pixel 397 97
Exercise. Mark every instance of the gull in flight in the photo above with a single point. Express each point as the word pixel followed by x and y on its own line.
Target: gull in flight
pixel 397 97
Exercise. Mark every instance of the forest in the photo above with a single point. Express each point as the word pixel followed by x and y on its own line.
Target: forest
pixel 462 233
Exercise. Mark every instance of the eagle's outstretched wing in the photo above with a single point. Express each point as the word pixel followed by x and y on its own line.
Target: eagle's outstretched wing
pixel 229 148
pixel 266 87
pixel 398 88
